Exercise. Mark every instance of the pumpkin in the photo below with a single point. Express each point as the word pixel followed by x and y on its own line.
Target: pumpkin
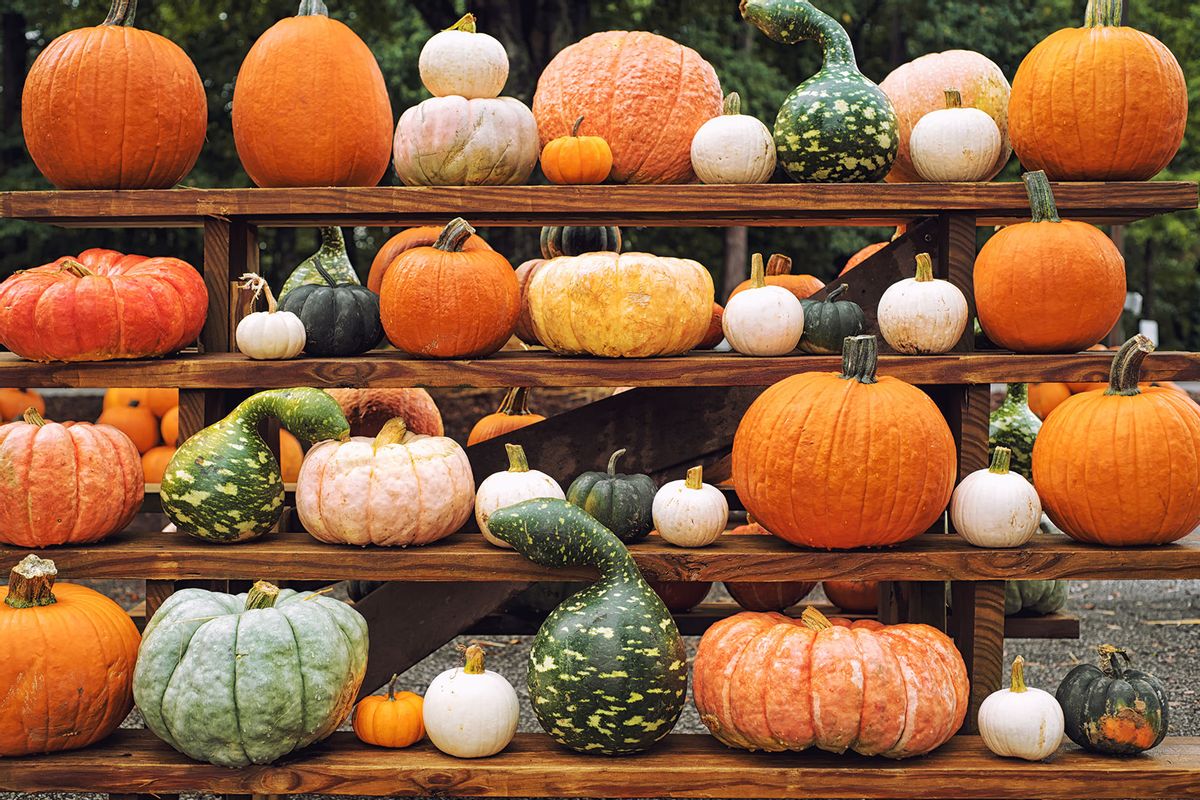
pixel 246 679
pixel 681 596
pixel 524 329
pixel 154 462
pixel 68 662
pixel 994 507
pixel 393 720
pixel 330 256
pixel 1062 124
pixel 469 299
pixel 716 329
pixel 852 436
pixel 1113 709
pixel 918 87
pixel 340 319
pixel 626 83
pixel 13 403
pixel 779 273
pixel 368 410
pixel 407 239
pixel 135 421
pixel 453 141
pixel 827 322
pixel 955 144
pixel 513 414
pixel 763 320
pixel 1045 397
pixel 469 711
pixel 114 107
pixel 1102 470
pixel 855 596
pixel 577 159
pixel 100 306
pixel 837 126
pixel 862 255
pixel 291 454
pixel 160 401
pixel 124 396
pixel 1050 285
pixel 1014 425
pixel 607 669
pixel 690 513
pixel 169 427
pixel 575 240
pixel 733 148
pixel 270 334
pixel 462 61
pixel 1021 721
pixel 622 503
pixel 765 595
pixel 922 314
pixel 310 107
pixel 503 489
pixel 1035 597
pixel 770 682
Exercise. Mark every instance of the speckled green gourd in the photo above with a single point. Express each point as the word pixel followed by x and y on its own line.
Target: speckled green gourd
pixel 332 257
pixel 1015 426
pixel 224 483
pixel 608 669
pixel 245 679
pixel 827 322
pixel 1038 597
pixel 837 126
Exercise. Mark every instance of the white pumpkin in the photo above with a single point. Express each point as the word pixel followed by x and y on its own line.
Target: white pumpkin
pixel 763 320
pixel 453 141
pixel 1021 721
pixel 690 513
pixel 994 507
pixel 270 334
pixel 470 712
pixel 954 143
pixel 922 314
pixel 461 61
pixel 733 148
pixel 503 489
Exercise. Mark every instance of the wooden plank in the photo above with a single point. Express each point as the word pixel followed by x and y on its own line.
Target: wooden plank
pixel 157 593
pixel 979 633
pixel 955 262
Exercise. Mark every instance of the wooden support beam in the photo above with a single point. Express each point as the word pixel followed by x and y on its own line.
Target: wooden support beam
pixel 979 633
pixel 955 261
pixel 156 594
pixel 230 249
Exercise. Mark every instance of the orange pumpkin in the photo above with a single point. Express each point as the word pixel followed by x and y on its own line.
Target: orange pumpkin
pixel 155 460
pixel 1050 285
pixel 681 596
pixel 1045 397
pixel 67 671
pixel 169 426
pixel 135 421
pixel 422 236
pixel 779 273
pixel 627 84
pixel 577 159
pixel 871 249
pixel 392 720
pixel 716 333
pixel 813 446
pixel 125 397
pixel 447 302
pixel 1122 466
pixel 13 403
pixel 368 410
pixel 1098 103
pixel 765 595
pixel 513 414
pixel 160 401
pixel 310 107
pixel 1087 386
pixel 855 596
pixel 114 107
pixel 291 455
pixel 524 330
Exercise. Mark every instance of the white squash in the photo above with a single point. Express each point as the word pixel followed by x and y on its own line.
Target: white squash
pixel 690 513
pixel 270 334
pixel 733 148
pixel 763 320
pixel 461 61
pixel 1021 721
pixel 954 143
pixel 453 141
pixel 921 314
pixel 503 489
pixel 470 712
pixel 994 507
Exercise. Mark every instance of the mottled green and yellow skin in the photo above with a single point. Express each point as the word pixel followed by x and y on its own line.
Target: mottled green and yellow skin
pixel 608 669
pixel 1015 426
pixel 224 483
pixel 331 256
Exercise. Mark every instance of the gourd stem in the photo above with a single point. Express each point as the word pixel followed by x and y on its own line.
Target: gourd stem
pixel 262 595
pixel 779 264
pixel 575 127
pixel 953 98
pixel 312 8
pixel 1103 13
pixel 924 268
pixel 454 235
pixel 797 21
pixel 758 277
pixel 465 23
pixel 815 620
pixel 474 665
pixel 836 292
pixel 695 478
pixel 1001 459
pixel 392 432
pixel 258 284
pixel 732 105
pixel 1041 197
pixel 33 417
pixel 391 690
pixel 860 357
pixel 74 267
pixel 1127 366
pixel 515 402
pixel 31 583
pixel 1018 394
pixel 517 462
pixel 121 12
pixel 612 461
pixel 1108 659
pixel 1018 675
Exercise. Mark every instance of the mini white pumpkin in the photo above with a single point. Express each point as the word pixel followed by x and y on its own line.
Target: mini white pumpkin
pixel 1021 721
pixel 690 513
pixel 763 320
pixel 503 489
pixel 270 334
pixel 470 712
pixel 955 143
pixel 994 507
pixel 453 141
pixel 462 61
pixel 734 147
pixel 922 314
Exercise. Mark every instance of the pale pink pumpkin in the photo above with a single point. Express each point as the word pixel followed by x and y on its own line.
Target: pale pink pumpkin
pixel 452 141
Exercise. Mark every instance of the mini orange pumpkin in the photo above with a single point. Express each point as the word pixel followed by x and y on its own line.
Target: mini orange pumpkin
pixel 716 333
pixel 391 720
pixel 170 427
pixel 765 595
pixel 577 159
pixel 513 414
pixel 13 403
pixel 779 273
pixel 124 397
pixel 291 455
pixel 421 236
pixel 160 401
pixel 135 421
pixel 855 596
pixel 155 460
pixel 1045 397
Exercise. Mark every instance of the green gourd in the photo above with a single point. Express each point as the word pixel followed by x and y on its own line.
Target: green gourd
pixel 1038 597
pixel 837 126
pixel 1113 709
pixel 1015 426
pixel 340 319
pixel 223 484
pixel 608 669
pixel 330 256
pixel 621 503
pixel 575 240
pixel 246 679
pixel 828 322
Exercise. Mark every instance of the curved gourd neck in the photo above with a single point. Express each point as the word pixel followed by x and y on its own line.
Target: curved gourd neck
pixel 313 8
pixel 1103 13
pixel 792 21
pixel 333 244
pixel 310 414
pixel 121 13
pixel 1018 395
pixel 860 356
pixel 1127 366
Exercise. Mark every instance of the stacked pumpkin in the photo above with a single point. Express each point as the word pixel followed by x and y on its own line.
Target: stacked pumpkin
pixel 150 418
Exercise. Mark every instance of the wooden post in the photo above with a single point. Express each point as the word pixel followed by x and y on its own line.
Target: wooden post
pixel 955 262
pixel 979 633
pixel 156 594
pixel 230 249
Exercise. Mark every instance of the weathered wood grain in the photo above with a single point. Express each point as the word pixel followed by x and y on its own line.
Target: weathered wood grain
pixel 979 634
pixel 955 262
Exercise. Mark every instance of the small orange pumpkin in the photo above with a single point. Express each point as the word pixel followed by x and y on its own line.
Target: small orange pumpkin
pixel 291 454
pixel 779 273
pixel 114 398
pixel 765 595
pixel 577 159
pixel 860 597
pixel 391 720
pixel 13 403
pixel 716 333
pixel 1045 397
pixel 170 427
pixel 134 420
pixel 1087 386
pixel 160 401
pixel 154 462
pixel 407 239
pixel 871 249
pixel 513 414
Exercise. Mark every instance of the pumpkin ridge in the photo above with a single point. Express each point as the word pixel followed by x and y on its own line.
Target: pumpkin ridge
pixel 649 151
pixel 303 676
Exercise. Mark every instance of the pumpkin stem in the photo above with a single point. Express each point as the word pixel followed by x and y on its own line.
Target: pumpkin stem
pixel 1103 13
pixel 758 278
pixel 258 284
pixel 860 356
pixel 466 23
pixel 74 267
pixel 779 264
pixel 924 268
pixel 1109 664
pixel 1018 675
pixel 953 98
pixel 695 478
pixel 732 105
pixel 815 620
pixel 836 292
pixel 454 235
pixel 474 665
pixel 392 432
pixel 517 462
pixel 31 583
pixel 612 462
pixel 575 127
pixel 1001 459
pixel 1041 197
pixel 325 276
pixel 33 417
pixel 1127 366
pixel 515 402
pixel 312 8
pixel 121 12
pixel 262 595
pixel 391 690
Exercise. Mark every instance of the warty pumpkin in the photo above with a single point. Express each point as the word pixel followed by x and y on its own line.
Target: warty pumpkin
pixel 407 239
pixel 576 159
pixel 1113 709
pixel 368 410
pixel 13 403
pixel 453 141
pixel 779 273
pixel 513 414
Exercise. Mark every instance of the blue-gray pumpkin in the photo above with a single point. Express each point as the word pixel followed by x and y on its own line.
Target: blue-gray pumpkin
pixel 827 322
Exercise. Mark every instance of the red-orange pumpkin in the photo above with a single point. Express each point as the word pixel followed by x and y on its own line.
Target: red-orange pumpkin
pixel 513 414
pixel 368 410
pixel 525 273
pixel 856 596
pixel 765 595
pixel 422 236
pixel 716 333
pixel 681 596
pixel 154 462
pixel 13 403
pixel 779 273
pixel 866 252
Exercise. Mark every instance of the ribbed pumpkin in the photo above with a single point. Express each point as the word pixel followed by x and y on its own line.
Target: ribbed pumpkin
pixel 114 107
pixel 779 273
pixel 513 414
pixel 310 107
pixel 1122 467
pixel 847 437
pixel 576 159
pixel 368 410
pixel 390 720
pixel 13 403
pixel 1113 708
pixel 340 319
pixel 626 84
pixel 407 239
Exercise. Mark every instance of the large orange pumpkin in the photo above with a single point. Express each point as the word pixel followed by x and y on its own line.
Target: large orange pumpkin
pixel 1122 466
pixel 13 403
pixel 368 410
pixel 626 84
pixel 310 107
pixel 67 670
pixel 779 273
pixel 114 107
pixel 1050 285
pixel 513 414
pixel 1098 103
pixel 846 460
pixel 422 236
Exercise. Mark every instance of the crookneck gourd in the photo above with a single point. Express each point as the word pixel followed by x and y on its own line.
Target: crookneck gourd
pixel 608 669
pixel 224 483
pixel 1015 426
pixel 331 256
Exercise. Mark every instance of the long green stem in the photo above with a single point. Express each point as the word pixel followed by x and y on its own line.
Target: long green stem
pixel 1041 197
pixel 1127 366
pixel 1103 13
pixel 792 21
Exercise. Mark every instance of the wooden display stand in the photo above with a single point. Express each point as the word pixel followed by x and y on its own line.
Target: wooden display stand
pixel 471 579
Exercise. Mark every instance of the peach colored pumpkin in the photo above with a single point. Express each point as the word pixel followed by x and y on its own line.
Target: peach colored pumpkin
pixel 368 410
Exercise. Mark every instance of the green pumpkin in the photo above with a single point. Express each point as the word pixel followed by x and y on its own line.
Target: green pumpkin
pixel 575 240
pixel 246 679
pixel 837 126
pixel 621 503
pixel 1015 426
pixel 1113 709
pixel 224 484
pixel 340 319
pixel 330 256
pixel 1038 597
pixel 608 669
pixel 828 322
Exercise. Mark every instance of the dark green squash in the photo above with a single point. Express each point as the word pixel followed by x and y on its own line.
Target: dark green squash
pixel 608 669
pixel 1113 709
pixel 575 240
pixel 340 319
pixel 1015 426
pixel 331 256
pixel 1036 597
pixel 621 503
pixel 828 322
